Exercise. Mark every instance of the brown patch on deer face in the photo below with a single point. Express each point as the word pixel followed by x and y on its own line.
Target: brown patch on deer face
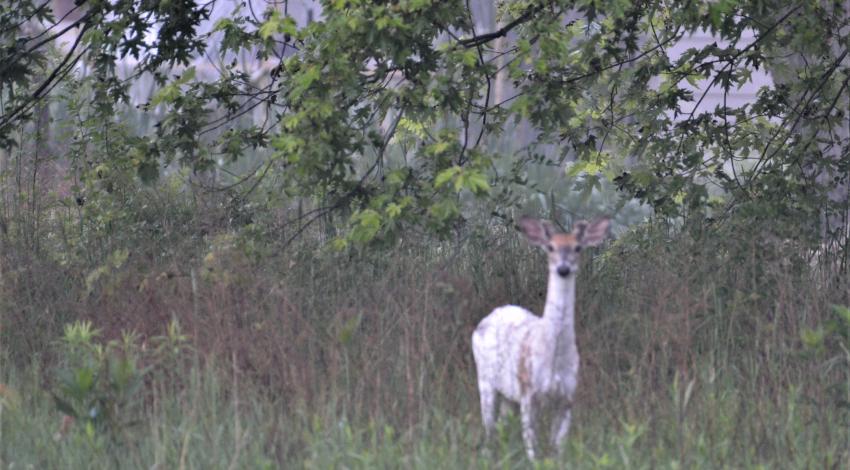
pixel 524 368
pixel 563 250
pixel 564 240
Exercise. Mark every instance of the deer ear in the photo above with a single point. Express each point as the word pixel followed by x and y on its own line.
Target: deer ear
pixel 591 233
pixel 538 232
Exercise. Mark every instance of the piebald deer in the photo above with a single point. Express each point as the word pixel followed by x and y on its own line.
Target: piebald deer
pixel 531 360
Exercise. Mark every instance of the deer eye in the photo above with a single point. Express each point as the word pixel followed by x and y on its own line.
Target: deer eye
pixel 578 248
pixel 550 248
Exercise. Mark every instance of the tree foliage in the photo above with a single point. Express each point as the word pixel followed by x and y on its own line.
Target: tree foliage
pixel 387 109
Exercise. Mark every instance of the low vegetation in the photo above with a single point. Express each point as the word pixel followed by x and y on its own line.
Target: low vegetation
pixel 721 351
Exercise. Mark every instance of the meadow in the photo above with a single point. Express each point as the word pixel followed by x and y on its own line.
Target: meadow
pixel 729 351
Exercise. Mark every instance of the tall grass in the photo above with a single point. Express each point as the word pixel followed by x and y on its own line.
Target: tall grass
pixel 720 351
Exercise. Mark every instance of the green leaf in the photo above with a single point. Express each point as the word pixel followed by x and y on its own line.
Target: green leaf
pixel 477 183
pixel 271 25
pixel 843 313
pixel 310 75
pixel 172 91
pixel 339 244
pixel 470 58
pixel 83 382
pixel 439 147
pixel 223 24
pixel 393 210
pixel 415 5
pixel 367 223
pixel 413 127
pixel 444 210
pixel 459 182
pixel 693 79
pixel 187 76
pixel 446 175
pixel 582 166
pixel 397 177
pixel 382 22
pixel 813 338
pixel 288 26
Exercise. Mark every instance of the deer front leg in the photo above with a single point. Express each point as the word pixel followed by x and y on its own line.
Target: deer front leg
pixel 560 428
pixel 529 421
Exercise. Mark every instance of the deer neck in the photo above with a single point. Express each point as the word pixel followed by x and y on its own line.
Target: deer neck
pixel 559 316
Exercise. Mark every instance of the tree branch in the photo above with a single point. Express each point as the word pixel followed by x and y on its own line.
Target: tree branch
pixel 479 40
pixel 46 84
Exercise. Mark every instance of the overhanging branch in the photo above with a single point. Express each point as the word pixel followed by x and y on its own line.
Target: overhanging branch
pixel 482 39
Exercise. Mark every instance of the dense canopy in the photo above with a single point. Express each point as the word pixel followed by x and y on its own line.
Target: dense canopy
pixel 397 113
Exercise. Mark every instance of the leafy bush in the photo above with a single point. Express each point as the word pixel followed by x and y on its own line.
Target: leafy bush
pixel 100 385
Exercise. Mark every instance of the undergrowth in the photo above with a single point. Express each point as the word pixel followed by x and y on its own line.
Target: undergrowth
pixel 729 351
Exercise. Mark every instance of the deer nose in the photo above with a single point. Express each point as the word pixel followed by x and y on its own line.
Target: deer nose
pixel 563 271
